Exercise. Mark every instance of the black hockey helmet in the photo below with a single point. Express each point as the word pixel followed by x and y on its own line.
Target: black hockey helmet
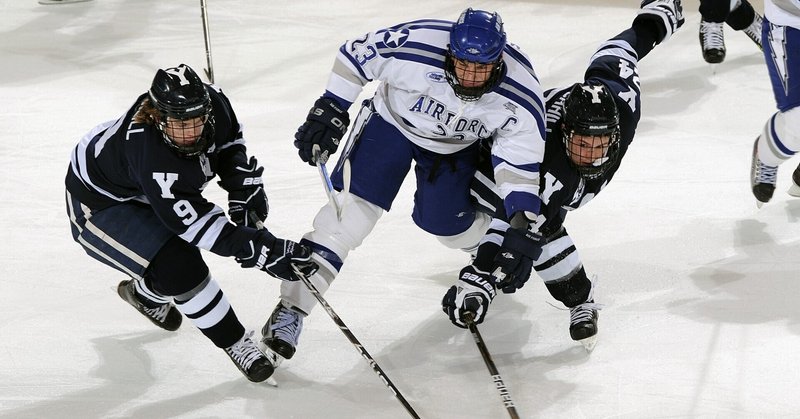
pixel 476 37
pixel 179 94
pixel 590 110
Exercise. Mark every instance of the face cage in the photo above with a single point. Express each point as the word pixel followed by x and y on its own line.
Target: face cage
pixel 470 94
pixel 593 171
pixel 196 148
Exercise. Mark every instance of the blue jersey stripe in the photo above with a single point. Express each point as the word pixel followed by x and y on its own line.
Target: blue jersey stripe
pixel 520 58
pixel 355 63
pixel 422 59
pixel 527 104
pixel 532 167
pixel 434 24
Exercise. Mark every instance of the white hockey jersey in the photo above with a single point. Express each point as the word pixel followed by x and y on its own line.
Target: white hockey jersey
pixel 414 96
pixel 783 12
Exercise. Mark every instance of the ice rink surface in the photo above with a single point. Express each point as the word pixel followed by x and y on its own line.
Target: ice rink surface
pixel 700 287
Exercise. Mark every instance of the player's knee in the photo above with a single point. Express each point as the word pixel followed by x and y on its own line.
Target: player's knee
pixel 573 290
pixel 470 238
pixel 177 268
pixel 358 218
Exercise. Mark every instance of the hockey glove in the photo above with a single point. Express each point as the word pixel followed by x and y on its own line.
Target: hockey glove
pixel 278 257
pixel 246 198
pixel 324 127
pixel 514 260
pixel 471 294
pixel 667 14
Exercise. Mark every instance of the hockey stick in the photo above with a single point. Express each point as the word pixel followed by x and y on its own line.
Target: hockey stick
pixel 352 338
pixel 487 359
pixel 346 330
pixel 326 181
pixel 204 15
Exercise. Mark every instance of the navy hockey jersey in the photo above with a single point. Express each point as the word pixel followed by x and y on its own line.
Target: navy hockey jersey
pixel 125 161
pixel 561 187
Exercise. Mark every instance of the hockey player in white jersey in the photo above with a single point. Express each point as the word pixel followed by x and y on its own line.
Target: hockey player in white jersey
pixel 443 86
pixel 590 126
pixel 780 139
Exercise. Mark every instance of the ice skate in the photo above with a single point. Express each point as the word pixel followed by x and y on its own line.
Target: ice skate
pixel 165 316
pixel 712 42
pixel 281 332
pixel 794 190
pixel 254 364
pixel 762 178
pixel 754 30
pixel 583 324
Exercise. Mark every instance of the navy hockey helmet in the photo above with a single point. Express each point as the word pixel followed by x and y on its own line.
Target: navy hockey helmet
pixel 179 95
pixel 477 37
pixel 591 113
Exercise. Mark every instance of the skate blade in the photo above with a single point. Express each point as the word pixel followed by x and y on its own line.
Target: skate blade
pixel 271 381
pixel 759 204
pixel 794 190
pixel 589 343
pixel 273 357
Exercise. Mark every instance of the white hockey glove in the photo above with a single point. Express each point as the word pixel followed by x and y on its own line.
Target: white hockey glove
pixel 472 294
pixel 668 14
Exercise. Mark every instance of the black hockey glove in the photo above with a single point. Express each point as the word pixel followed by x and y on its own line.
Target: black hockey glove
pixel 325 126
pixel 472 294
pixel 667 14
pixel 278 257
pixel 246 198
pixel 514 261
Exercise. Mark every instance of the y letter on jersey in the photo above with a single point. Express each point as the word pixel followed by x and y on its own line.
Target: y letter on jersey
pixel 165 181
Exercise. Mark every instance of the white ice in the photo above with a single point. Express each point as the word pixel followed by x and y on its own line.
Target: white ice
pixel 699 285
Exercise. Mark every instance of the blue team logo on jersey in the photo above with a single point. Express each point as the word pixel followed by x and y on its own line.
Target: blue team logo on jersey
pixel 436 77
pixel 395 39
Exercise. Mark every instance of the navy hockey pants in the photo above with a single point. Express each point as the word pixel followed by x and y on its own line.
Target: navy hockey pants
pixel 380 159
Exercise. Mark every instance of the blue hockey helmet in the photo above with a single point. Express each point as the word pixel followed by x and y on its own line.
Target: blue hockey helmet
pixel 477 40
pixel 477 36
pixel 179 95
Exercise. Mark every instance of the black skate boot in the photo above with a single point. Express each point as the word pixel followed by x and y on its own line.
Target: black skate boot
pixel 762 178
pixel 165 316
pixel 712 42
pixel 795 189
pixel 282 331
pixel 253 363
pixel 583 324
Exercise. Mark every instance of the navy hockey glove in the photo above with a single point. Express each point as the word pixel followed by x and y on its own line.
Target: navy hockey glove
pixel 324 127
pixel 278 257
pixel 471 294
pixel 667 14
pixel 514 261
pixel 246 198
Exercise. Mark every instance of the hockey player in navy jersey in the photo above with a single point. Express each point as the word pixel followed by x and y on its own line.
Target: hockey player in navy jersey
pixel 134 199
pixel 780 138
pixel 443 86
pixel 590 126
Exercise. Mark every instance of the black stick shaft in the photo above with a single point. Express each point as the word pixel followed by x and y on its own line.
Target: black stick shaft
pixel 352 338
pixel 498 380
pixel 204 15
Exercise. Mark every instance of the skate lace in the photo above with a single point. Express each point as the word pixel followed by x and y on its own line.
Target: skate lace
pixel 244 352
pixel 754 30
pixel 712 36
pixel 766 174
pixel 287 326
pixel 583 312
pixel 159 313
